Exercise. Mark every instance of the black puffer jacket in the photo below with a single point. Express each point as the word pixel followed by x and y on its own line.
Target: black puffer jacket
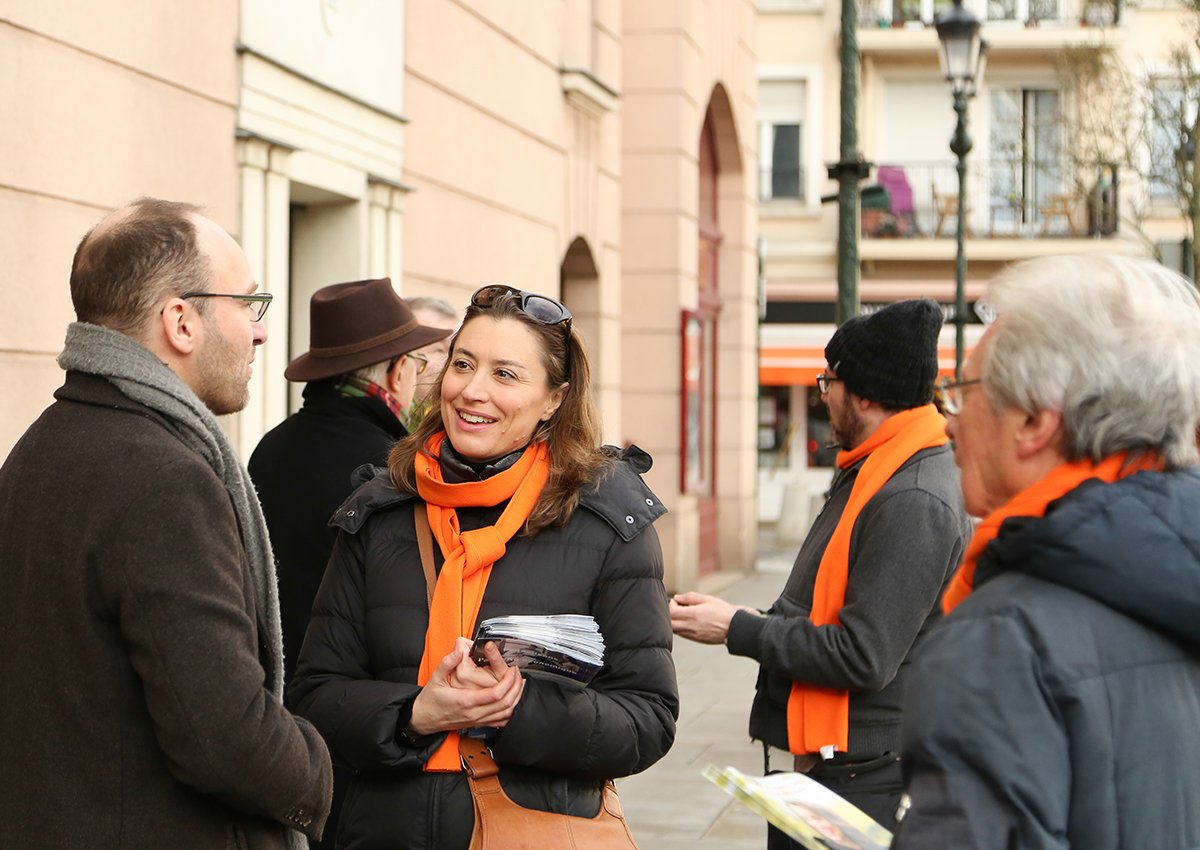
pixel 357 671
pixel 301 469
pixel 1058 705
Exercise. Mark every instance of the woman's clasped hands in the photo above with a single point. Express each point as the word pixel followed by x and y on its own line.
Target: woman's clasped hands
pixel 460 694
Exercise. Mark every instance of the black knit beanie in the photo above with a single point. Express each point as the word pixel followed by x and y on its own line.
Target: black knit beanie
pixel 889 356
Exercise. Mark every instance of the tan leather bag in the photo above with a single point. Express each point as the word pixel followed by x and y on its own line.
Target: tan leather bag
pixel 500 824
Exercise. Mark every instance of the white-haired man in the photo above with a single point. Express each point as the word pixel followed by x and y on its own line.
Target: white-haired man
pixel 436 313
pixel 1058 703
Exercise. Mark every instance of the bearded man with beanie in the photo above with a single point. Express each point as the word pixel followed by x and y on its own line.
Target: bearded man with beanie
pixel 865 586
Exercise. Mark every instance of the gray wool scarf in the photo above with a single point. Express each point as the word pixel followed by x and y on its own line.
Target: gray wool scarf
pixel 142 377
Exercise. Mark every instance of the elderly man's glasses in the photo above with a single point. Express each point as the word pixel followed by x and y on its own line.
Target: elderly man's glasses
pixel 422 362
pixel 949 394
pixel 823 382
pixel 537 307
pixel 420 359
pixel 256 303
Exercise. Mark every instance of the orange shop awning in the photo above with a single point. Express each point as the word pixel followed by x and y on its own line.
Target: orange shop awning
pixel 785 366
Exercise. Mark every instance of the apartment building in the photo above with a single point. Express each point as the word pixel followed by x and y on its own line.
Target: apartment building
pixel 596 150
pixel 1035 185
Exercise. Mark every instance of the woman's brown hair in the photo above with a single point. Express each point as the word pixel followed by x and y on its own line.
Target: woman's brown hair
pixel 572 435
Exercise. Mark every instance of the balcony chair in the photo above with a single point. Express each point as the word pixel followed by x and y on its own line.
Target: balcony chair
pixel 947 207
pixel 895 181
pixel 1058 206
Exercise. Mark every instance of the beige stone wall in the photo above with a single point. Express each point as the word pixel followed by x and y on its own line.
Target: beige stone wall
pixel 98 108
pixel 355 49
pixel 514 158
pixel 678 59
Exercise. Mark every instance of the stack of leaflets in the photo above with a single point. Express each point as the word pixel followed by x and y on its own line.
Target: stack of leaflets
pixel 804 809
pixel 565 647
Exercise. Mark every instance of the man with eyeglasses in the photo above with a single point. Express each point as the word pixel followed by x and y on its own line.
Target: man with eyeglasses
pixel 435 313
pixel 361 371
pixel 1057 704
pixel 833 647
pixel 140 649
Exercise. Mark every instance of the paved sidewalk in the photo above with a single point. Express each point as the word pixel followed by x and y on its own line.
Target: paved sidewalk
pixel 672 806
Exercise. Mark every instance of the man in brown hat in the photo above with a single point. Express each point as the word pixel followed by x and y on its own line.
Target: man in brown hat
pixel 361 371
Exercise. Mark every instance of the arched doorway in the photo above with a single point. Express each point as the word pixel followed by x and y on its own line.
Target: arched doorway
pixel 579 282
pixel 581 293
pixel 699 438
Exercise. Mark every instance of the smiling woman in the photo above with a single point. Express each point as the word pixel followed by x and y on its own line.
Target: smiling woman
pixel 531 516
pixel 495 392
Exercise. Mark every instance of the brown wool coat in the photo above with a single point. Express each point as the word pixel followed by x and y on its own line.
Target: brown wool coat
pixel 135 710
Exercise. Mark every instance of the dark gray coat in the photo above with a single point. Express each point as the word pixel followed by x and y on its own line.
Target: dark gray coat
pixel 357 672
pixel 136 710
pixel 905 545
pixel 1058 705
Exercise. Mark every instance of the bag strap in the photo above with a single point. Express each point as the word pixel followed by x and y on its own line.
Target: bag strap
pixel 425 545
pixel 483 779
pixel 477 760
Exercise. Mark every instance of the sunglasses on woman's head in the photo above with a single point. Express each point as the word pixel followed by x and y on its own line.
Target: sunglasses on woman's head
pixel 540 308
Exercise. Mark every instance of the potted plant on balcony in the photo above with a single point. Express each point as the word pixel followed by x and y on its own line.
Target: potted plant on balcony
pixel 905 11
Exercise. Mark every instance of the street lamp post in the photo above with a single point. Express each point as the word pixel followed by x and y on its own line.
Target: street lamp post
pixel 963 55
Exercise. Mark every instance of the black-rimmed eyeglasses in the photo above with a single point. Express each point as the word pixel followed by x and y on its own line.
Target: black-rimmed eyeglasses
pixel 823 382
pixel 540 308
pixel 256 303
pixel 949 394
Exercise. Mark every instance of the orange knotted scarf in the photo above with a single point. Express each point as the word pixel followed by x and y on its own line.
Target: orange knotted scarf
pixel 818 716
pixel 469 555
pixel 1033 501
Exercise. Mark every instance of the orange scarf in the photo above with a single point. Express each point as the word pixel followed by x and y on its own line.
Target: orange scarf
pixel 818 716
pixel 1033 501
pixel 469 555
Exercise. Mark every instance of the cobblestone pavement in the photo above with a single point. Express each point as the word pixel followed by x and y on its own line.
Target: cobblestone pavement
pixel 672 806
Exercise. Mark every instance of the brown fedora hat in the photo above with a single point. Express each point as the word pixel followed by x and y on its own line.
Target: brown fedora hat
pixel 357 324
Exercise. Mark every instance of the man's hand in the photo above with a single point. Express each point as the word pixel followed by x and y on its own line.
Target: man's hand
pixel 702 618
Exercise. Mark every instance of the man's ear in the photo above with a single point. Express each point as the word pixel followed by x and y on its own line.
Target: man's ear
pixel 179 325
pixel 393 376
pixel 1039 431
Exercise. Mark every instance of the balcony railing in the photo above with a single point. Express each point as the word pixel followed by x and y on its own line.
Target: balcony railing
pixel 918 13
pixel 1004 199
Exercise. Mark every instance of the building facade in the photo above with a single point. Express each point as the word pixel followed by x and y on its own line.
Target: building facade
pixel 595 150
pixel 1050 171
